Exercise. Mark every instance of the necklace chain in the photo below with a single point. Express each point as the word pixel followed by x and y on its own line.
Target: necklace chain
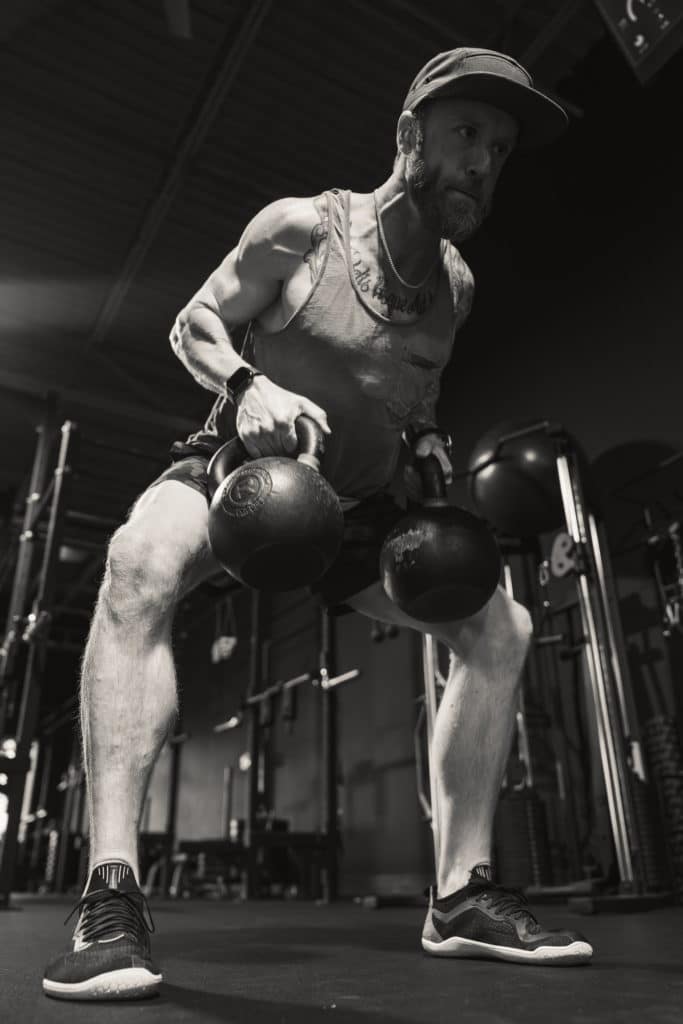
pixel 406 284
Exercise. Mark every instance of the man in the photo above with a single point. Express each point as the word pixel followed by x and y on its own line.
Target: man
pixel 353 302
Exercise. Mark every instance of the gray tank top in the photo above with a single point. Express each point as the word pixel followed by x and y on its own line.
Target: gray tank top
pixel 371 375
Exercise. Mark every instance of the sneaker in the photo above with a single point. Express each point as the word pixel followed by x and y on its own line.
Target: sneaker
pixel 487 920
pixel 110 955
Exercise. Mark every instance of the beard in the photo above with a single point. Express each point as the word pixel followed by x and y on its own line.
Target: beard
pixel 454 216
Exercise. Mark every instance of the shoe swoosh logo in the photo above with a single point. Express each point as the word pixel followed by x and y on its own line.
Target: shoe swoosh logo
pixel 79 945
pixel 447 916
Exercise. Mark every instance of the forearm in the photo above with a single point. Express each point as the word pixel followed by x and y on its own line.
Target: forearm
pixel 202 342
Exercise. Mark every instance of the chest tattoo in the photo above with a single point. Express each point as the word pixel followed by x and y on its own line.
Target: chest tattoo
pixel 373 284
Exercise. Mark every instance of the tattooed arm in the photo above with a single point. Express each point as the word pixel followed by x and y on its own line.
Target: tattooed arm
pixel 314 254
pixel 246 284
pixel 248 281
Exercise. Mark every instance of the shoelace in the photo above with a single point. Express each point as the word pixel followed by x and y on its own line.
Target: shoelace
pixel 108 910
pixel 507 901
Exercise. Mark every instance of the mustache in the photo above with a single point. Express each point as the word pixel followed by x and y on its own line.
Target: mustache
pixel 432 183
pixel 469 189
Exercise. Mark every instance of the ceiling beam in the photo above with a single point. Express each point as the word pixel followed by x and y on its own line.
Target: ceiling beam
pixel 231 56
pixel 93 401
pixel 550 31
pixel 416 11
pixel 496 40
pixel 456 38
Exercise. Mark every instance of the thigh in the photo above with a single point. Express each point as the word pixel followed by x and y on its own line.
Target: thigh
pixel 168 529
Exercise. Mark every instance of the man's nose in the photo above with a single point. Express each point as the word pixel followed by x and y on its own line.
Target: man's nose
pixel 479 163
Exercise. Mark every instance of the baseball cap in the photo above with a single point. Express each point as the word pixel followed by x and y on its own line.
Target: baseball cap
pixel 470 72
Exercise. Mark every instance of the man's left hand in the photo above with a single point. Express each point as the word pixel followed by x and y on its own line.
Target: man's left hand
pixel 428 444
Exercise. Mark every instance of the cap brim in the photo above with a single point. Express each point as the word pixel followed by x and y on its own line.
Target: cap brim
pixel 541 120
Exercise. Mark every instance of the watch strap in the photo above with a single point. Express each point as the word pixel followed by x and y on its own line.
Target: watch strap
pixel 239 381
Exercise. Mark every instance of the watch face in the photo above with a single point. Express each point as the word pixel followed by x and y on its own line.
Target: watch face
pixel 239 379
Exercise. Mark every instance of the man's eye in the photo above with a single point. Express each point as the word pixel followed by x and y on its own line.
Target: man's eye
pixel 467 131
pixel 501 149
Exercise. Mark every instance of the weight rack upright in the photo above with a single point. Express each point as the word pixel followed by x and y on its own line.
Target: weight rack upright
pixel 32 629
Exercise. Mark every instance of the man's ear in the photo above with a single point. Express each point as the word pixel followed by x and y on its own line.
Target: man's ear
pixel 406 133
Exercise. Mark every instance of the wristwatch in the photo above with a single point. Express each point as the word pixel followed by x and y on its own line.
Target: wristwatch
pixel 239 381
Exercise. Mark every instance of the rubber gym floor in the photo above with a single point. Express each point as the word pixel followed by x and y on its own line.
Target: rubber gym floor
pixel 276 963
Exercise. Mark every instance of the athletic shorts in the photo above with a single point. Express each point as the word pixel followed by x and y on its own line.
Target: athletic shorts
pixel 365 527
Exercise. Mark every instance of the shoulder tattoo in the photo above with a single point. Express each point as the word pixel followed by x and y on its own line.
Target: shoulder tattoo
pixel 463 294
pixel 319 234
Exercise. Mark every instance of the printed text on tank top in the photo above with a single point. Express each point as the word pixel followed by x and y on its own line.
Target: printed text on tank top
pixel 371 275
pixel 374 280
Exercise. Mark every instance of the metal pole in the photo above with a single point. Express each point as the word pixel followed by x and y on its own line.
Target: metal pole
pixel 39 810
pixel 523 747
pixel 27 540
pixel 431 707
pixel 226 800
pixel 176 744
pixel 72 783
pixel 330 756
pixel 610 611
pixel 609 740
pixel 255 667
pixel 36 635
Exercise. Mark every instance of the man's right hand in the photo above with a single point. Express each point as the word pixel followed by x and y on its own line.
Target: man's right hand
pixel 266 414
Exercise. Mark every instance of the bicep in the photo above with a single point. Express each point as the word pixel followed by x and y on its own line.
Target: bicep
pixel 237 293
pixel 250 277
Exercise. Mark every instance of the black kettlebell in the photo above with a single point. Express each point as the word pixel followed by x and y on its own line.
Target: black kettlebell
pixel 439 563
pixel 274 523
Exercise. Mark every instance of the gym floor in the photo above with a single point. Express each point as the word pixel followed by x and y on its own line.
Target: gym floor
pixel 298 962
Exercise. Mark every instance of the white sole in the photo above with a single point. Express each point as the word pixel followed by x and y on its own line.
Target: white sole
pixel 128 983
pixel 574 953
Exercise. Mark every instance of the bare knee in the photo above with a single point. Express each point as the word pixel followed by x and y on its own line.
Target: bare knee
pixel 521 625
pixel 507 625
pixel 500 634
pixel 142 576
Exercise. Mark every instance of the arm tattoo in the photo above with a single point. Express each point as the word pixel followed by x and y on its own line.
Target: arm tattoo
pixel 319 233
pixel 463 293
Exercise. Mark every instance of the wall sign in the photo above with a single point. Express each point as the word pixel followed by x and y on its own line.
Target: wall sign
pixel 649 32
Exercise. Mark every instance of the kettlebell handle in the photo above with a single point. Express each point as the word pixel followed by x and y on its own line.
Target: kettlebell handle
pixel 311 448
pixel 311 441
pixel 433 482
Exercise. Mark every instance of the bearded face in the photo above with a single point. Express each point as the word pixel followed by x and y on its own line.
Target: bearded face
pixel 460 147
pixel 445 208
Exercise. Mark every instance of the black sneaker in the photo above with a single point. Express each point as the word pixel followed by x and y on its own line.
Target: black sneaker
pixel 487 920
pixel 110 957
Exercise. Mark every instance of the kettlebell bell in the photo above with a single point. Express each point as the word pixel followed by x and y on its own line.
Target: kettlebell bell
pixel 440 562
pixel 274 523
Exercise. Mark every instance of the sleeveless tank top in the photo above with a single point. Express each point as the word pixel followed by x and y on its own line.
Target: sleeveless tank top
pixel 371 375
